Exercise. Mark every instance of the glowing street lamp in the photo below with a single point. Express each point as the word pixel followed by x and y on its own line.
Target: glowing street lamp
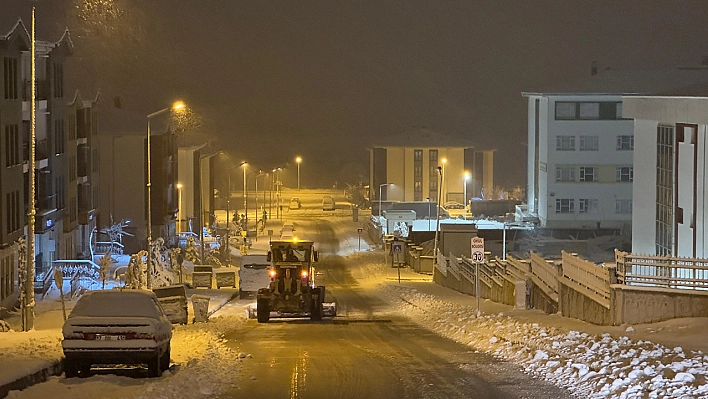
pixel 298 160
pixel 177 106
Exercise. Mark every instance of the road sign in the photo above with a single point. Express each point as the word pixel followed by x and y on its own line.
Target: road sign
pixel 397 248
pixel 477 245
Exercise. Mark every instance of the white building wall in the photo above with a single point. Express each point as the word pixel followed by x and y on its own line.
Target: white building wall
pixel 644 188
pixel 649 113
pixel 606 191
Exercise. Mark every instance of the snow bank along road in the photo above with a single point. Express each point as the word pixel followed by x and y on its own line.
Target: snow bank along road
pixel 396 342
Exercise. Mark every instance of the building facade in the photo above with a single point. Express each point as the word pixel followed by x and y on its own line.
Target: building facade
pixel 579 166
pixel 671 145
pixel 405 168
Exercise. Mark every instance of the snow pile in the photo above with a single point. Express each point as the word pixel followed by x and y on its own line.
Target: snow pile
pixel 202 366
pixel 592 366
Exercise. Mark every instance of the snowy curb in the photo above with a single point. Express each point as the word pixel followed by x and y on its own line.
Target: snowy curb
pixel 592 366
pixel 54 368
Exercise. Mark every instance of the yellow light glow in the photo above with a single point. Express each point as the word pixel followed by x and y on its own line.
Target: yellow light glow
pixel 178 105
pixel 294 239
pixel 444 160
pixel 179 185
pixel 298 159
pixel 467 175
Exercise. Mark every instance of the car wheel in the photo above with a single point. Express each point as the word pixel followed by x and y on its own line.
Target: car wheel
pixel 262 310
pixel 71 369
pixel 154 365
pixel 165 359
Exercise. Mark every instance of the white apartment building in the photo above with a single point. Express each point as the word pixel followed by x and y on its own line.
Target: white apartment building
pixel 670 189
pixel 579 165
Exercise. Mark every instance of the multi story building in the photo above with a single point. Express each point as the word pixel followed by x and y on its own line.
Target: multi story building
pixel 12 191
pixel 405 168
pixel 670 190
pixel 55 155
pixel 580 169
pixel 123 164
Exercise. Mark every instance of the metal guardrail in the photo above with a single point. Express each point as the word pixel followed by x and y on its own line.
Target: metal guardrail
pixel 113 248
pixel 661 271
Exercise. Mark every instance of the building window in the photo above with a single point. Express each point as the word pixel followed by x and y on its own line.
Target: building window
pixel 588 205
pixel 623 206
pixel 60 192
pixel 589 143
pixel 588 174
pixel 59 137
pixel 664 190
pixel 12 145
pixel 433 175
pixel 565 205
pixel 565 174
pixel 12 203
pixel 418 155
pixel 58 80
pixel 10 77
pixel 589 110
pixel 618 110
pixel 565 143
pixel 625 143
pixel 566 110
pixel 624 174
pixel 72 169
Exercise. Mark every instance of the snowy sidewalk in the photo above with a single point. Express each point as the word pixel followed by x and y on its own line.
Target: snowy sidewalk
pixel 658 360
pixel 30 357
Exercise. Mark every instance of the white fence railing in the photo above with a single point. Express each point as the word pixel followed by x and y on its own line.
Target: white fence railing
pixel 662 271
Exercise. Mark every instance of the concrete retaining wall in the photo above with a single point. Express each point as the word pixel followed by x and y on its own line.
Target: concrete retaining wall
pixel 538 299
pixel 634 305
pixel 572 303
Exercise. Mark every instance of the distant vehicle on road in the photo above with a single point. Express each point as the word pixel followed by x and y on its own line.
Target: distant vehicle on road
pixel 253 274
pixel 295 203
pixel 453 205
pixel 288 231
pixel 116 327
pixel 328 203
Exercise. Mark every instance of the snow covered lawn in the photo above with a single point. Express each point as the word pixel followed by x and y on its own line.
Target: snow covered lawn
pixel 596 366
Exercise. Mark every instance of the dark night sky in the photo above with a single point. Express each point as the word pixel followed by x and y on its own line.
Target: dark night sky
pixel 322 79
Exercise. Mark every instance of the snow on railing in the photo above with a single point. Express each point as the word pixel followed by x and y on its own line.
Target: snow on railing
pixel 587 277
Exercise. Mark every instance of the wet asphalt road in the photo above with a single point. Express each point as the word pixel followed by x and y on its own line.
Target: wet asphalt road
pixel 367 351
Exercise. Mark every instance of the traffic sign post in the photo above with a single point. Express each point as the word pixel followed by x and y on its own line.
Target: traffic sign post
pixel 477 249
pixel 397 250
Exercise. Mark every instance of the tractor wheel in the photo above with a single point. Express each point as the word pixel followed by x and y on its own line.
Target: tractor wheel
pixel 317 309
pixel 262 310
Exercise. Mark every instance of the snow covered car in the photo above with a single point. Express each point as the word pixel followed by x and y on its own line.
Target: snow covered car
pixel 116 327
pixel 253 274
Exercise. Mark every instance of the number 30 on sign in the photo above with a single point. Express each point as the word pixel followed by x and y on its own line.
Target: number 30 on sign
pixel 477 249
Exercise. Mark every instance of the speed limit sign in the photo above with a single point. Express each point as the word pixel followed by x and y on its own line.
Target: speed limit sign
pixel 477 250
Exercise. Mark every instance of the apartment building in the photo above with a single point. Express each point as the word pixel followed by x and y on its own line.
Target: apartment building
pixel 580 165
pixel 56 160
pixel 405 168
pixel 670 190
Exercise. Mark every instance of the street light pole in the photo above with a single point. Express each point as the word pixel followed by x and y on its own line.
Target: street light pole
pixel 298 160
pixel 437 218
pixel 179 206
pixel 245 204
pixel 380 187
pixel 464 190
pixel 176 106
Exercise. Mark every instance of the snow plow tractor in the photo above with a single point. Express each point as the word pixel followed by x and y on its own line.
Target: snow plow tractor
pixel 292 291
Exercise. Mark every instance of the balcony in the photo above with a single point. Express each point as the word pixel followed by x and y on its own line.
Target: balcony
pixel 41 150
pixel 41 90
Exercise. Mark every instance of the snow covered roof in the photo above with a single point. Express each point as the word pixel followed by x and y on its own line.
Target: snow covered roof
pixel 677 81
pixel 423 137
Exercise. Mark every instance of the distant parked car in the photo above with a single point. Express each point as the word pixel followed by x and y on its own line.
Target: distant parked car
pixel 328 203
pixel 295 203
pixel 453 205
pixel 116 327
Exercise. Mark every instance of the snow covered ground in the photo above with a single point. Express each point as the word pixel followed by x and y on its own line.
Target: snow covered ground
pixel 588 360
pixel 594 366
